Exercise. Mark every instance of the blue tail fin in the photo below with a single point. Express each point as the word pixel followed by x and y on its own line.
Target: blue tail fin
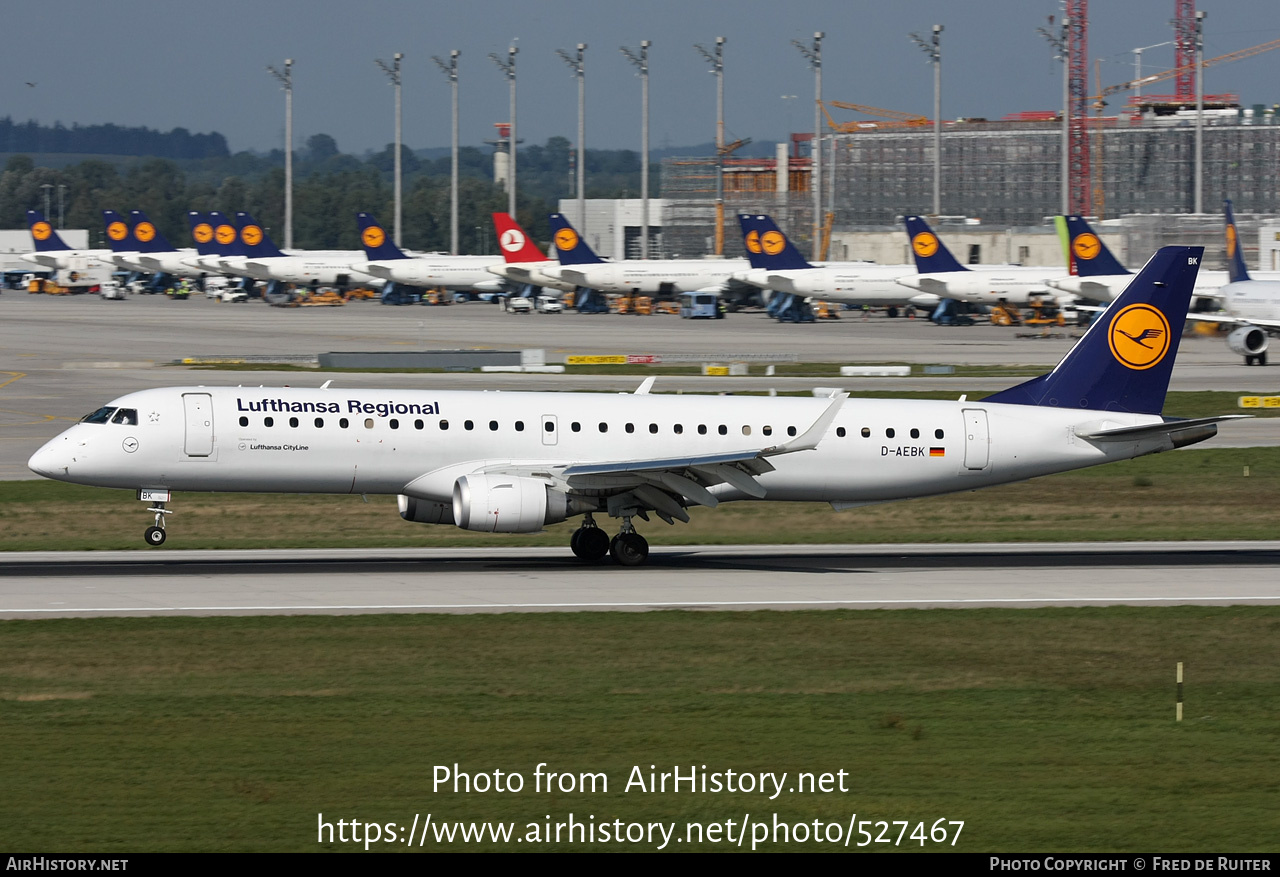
pixel 570 246
pixel 774 250
pixel 1090 254
pixel 226 237
pixel 377 244
pixel 42 233
pixel 146 236
pixel 201 233
pixel 254 242
pixel 931 255
pixel 117 231
pixel 1124 361
pixel 751 239
pixel 1236 270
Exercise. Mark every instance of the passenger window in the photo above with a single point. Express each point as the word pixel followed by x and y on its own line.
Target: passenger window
pixel 702 429
pixel 244 421
pixel 344 423
pixel 493 426
pixel 368 423
pixel 915 433
pixel 791 430
pixel 293 421
pixel 418 424
pixel 746 430
pixel 394 424
pixel 519 426
pixel 467 424
pixel 653 428
pixel 889 433
pixel 679 428
pixel 126 416
pixel 723 430
pixel 444 425
pixel 549 426
pixel 866 432
pixel 937 433
pixel 840 431
pixel 102 415
pixel 576 426
pixel 604 427
pixel 630 427
pixel 268 421
pixel 319 423
pixel 767 430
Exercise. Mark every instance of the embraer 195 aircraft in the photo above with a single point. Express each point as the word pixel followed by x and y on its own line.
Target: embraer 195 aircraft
pixel 515 462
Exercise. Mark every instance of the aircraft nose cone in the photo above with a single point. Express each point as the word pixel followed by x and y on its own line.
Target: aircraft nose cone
pixel 49 460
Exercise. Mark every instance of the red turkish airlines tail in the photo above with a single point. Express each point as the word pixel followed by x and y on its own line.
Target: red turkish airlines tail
pixel 515 243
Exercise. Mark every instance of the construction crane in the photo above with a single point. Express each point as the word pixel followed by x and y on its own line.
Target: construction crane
pixel 896 119
pixel 1099 101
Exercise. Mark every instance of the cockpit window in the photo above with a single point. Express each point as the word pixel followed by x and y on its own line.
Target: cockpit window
pixel 102 415
pixel 127 416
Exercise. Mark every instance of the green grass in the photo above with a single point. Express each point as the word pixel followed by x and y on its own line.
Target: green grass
pixel 1197 493
pixel 1046 730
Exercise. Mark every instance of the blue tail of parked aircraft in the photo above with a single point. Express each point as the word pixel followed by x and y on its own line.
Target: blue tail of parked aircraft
pixel 145 236
pixel 1090 254
pixel 46 239
pixel 1124 361
pixel 570 246
pixel 254 242
pixel 377 244
pixel 201 233
pixel 1236 269
pixel 226 237
pixel 931 255
pixel 766 245
pixel 117 231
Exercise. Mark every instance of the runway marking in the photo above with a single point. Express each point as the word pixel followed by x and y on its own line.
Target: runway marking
pixel 660 604
pixel 16 376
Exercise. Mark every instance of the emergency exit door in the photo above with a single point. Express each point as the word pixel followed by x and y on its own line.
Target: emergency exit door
pixel 977 440
pixel 199 411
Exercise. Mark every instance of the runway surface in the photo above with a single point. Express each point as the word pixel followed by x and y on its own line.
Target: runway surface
pixel 151 583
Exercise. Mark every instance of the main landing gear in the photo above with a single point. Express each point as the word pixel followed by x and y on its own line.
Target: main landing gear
pixel 590 543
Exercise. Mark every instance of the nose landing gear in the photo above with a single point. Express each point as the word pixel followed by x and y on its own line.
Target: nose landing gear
pixel 155 535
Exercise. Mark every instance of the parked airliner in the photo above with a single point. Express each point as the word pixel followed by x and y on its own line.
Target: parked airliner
pixel 942 274
pixel 515 462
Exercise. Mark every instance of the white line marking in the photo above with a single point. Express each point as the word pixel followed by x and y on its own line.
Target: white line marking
pixel 661 604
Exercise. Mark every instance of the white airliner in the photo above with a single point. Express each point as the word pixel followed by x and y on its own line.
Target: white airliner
pixel 580 266
pixel 515 462
pixel 254 255
pixel 941 274
pixel 150 252
pixel 778 266
pixel 52 252
pixel 381 258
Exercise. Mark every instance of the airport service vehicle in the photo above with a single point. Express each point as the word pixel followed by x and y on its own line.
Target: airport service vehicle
pixel 112 290
pixel 518 304
pixel 549 304
pixel 700 306
pixel 658 278
pixel 940 273
pixel 515 462
pixel 777 265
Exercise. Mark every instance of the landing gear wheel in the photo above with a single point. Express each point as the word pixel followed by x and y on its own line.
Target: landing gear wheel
pixel 629 549
pixel 154 536
pixel 589 543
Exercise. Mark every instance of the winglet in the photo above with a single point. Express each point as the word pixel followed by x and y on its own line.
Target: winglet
pixel 808 440
pixel 645 387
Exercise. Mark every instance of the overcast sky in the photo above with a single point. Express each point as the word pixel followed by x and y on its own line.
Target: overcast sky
pixel 169 63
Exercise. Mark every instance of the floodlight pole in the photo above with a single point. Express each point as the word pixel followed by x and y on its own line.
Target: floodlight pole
pixel 1199 110
pixel 575 63
pixel 286 80
pixel 641 62
pixel 451 71
pixel 48 211
pixel 933 49
pixel 717 70
pixel 393 73
pixel 508 68
pixel 814 57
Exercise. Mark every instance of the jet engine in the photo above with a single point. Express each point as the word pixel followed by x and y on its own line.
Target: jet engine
pixel 424 511
pixel 1247 341
pixel 510 504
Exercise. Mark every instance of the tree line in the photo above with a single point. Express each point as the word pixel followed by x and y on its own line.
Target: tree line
pixel 330 187
pixel 108 140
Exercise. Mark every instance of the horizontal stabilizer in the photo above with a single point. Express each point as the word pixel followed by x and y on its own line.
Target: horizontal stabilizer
pixel 1152 430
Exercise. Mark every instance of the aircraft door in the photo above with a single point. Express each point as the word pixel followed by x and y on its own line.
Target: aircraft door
pixel 550 429
pixel 199 436
pixel 977 439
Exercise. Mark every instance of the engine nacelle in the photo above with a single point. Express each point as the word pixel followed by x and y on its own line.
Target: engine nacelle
pixel 1247 341
pixel 509 504
pixel 424 511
